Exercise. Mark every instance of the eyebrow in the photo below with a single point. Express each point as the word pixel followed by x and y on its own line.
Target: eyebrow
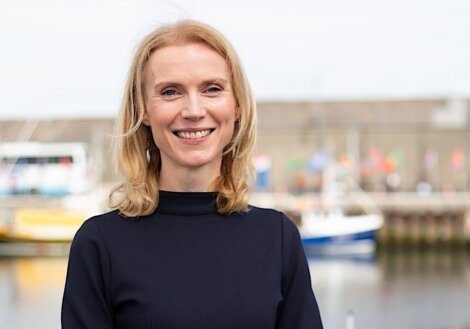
pixel 178 84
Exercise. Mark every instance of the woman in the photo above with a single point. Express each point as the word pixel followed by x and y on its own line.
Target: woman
pixel 183 249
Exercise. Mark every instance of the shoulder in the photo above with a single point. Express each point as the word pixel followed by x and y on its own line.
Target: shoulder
pixel 269 213
pixel 92 227
pixel 104 219
pixel 272 216
pixel 263 212
pixel 263 215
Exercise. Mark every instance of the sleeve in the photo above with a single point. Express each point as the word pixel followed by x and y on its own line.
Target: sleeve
pixel 86 301
pixel 298 308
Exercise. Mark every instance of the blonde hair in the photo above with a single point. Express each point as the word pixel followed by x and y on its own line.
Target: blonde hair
pixel 138 158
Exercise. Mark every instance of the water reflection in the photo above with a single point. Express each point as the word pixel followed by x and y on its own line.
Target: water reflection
pixel 399 289
pixel 31 291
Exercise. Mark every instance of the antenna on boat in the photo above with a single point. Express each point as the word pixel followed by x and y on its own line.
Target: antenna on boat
pixel 24 135
pixel 28 129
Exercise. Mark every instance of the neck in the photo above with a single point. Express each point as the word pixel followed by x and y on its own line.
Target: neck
pixel 188 179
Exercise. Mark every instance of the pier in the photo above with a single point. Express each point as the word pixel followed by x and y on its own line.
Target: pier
pixel 409 219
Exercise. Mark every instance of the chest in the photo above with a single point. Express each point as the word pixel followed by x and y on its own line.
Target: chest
pixel 194 279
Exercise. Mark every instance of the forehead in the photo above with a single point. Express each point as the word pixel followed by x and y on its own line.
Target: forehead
pixel 189 60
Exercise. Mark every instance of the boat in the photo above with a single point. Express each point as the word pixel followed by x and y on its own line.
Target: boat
pixel 41 225
pixel 330 231
pixel 45 191
pixel 333 234
pixel 46 169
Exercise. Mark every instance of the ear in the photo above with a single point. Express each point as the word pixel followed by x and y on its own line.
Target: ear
pixel 237 113
pixel 145 120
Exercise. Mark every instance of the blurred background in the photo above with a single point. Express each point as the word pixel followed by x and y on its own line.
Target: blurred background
pixel 363 141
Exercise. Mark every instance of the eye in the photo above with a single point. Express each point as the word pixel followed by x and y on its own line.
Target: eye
pixel 213 89
pixel 168 92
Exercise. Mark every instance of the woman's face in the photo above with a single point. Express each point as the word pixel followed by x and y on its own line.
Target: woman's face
pixel 190 106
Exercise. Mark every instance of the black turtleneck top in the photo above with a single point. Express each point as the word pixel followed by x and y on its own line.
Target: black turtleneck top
pixel 187 266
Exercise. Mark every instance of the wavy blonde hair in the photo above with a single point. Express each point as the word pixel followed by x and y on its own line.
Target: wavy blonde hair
pixel 138 158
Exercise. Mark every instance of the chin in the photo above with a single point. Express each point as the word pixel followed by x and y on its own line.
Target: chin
pixel 198 161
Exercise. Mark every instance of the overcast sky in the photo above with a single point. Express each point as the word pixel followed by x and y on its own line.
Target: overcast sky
pixel 70 58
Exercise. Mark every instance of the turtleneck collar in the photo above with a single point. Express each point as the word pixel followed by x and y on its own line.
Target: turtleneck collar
pixel 187 203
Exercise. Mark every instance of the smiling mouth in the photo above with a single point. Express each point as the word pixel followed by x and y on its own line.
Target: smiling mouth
pixel 193 134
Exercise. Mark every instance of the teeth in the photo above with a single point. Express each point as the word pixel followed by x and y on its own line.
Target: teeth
pixel 192 135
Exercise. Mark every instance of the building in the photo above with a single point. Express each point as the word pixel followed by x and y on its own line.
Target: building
pixel 415 143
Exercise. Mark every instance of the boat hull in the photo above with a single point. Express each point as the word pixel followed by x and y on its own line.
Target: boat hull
pixel 340 235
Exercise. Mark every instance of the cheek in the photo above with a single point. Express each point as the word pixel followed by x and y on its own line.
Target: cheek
pixel 160 117
pixel 229 132
pixel 159 133
pixel 157 136
pixel 229 118
pixel 158 127
pixel 227 110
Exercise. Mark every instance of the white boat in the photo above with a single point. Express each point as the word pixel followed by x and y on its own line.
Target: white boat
pixel 45 190
pixel 331 231
pixel 339 234
pixel 47 169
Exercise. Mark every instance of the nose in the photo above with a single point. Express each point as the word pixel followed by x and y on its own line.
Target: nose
pixel 194 108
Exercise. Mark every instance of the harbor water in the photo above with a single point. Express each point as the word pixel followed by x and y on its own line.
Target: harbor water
pixel 396 289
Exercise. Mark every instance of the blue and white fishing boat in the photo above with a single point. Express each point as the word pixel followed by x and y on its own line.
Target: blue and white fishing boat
pixel 332 232
pixel 338 234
